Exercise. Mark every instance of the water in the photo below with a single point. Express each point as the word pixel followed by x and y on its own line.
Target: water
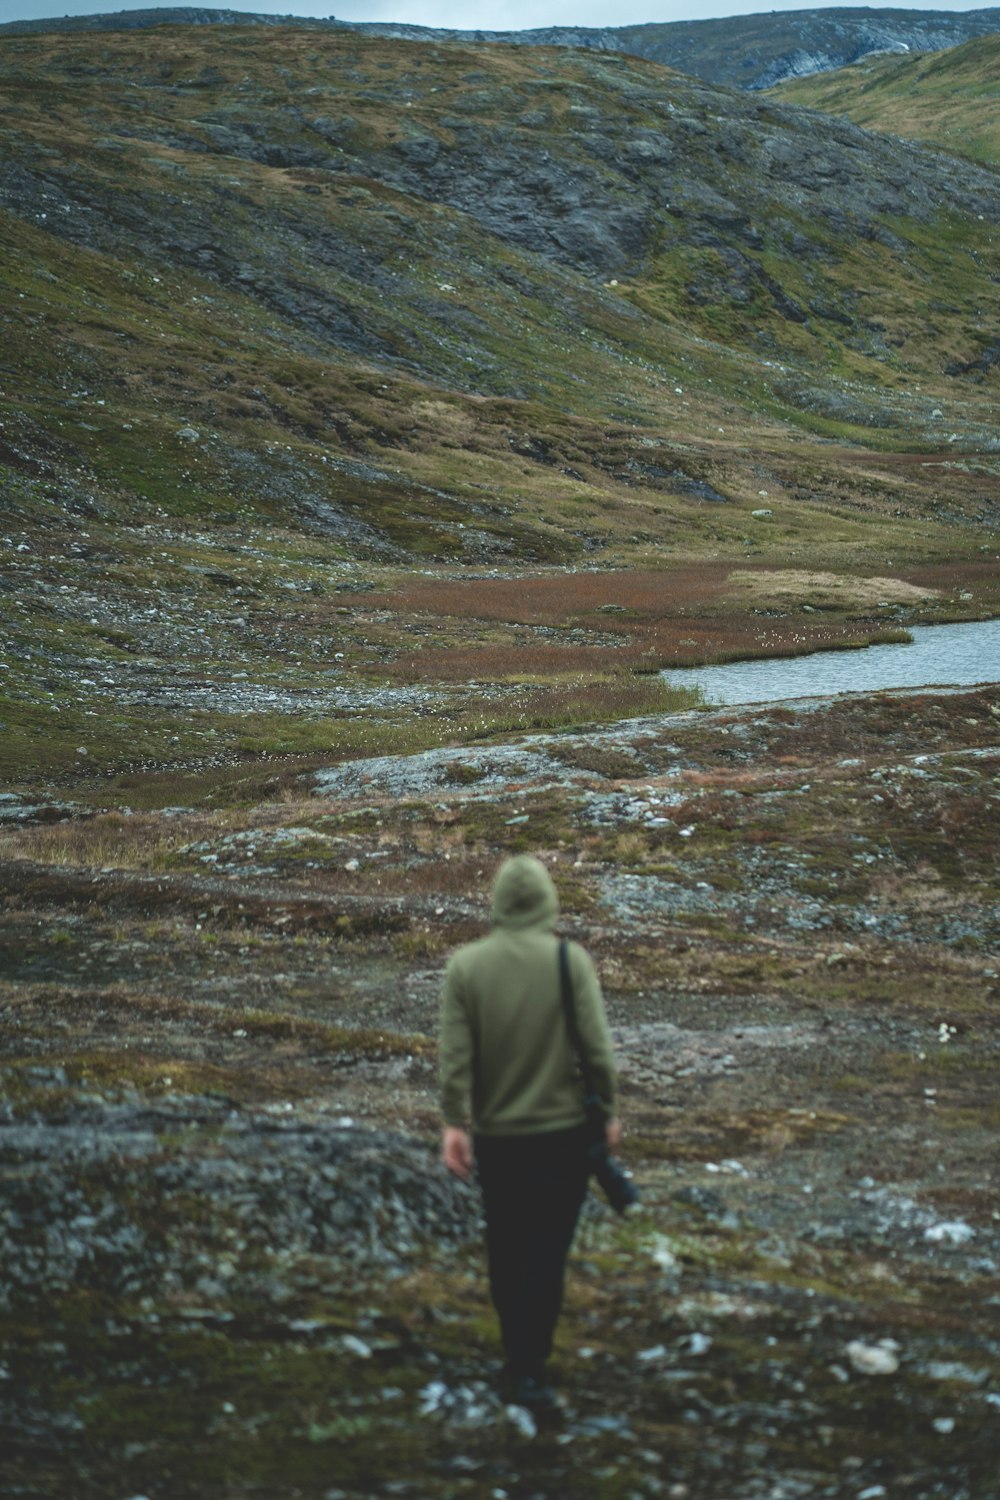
pixel 940 656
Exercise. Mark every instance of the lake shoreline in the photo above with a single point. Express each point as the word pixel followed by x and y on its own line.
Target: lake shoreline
pixel 961 649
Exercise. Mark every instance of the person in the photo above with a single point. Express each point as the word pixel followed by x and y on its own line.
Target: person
pixel 512 1105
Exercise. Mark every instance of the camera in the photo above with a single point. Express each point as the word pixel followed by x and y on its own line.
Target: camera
pixel 616 1184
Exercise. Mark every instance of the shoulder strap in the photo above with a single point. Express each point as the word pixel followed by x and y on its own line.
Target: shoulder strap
pixel 566 992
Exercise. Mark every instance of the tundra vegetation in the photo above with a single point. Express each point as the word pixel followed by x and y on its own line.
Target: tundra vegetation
pixel 941 99
pixel 379 418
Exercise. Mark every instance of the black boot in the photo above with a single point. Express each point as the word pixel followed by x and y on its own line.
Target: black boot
pixel 529 1388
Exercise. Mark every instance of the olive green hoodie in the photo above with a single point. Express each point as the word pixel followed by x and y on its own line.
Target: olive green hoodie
pixel 506 1063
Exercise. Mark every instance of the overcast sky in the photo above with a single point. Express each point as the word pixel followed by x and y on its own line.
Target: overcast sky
pixel 487 15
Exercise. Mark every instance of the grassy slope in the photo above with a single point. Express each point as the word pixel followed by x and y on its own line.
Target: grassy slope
pixel 951 99
pixel 375 377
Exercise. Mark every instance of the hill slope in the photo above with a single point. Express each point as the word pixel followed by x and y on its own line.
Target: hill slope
pixel 949 99
pixel 284 310
pixel 505 225
pixel 749 52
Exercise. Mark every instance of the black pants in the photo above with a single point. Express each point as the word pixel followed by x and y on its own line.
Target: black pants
pixel 533 1188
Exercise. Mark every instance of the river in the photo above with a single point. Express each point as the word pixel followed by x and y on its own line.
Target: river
pixel 940 656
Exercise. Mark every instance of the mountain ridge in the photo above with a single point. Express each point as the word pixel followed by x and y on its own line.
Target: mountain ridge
pixel 750 52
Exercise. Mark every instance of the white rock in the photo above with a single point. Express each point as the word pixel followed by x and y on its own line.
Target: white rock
pixel 941 1369
pixel 431 1396
pixel 957 1233
pixel 661 1254
pixel 873 1359
pixel 521 1419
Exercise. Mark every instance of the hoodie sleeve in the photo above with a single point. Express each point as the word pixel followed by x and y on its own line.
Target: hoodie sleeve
pixel 592 1024
pixel 455 1050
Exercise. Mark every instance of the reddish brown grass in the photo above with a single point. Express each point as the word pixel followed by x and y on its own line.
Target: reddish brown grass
pixel 499 663
pixel 683 617
pixel 561 598
pixel 647 646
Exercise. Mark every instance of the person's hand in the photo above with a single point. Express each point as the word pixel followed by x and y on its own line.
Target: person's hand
pixel 456 1151
pixel 613 1133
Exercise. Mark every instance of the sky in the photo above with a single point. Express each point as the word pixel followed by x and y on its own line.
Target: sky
pixel 486 15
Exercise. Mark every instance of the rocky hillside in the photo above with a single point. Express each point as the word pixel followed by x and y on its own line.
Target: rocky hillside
pixel 405 262
pixel 749 52
pixel 947 99
pixel 286 309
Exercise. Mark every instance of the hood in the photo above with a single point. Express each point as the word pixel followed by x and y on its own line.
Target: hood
pixel 523 895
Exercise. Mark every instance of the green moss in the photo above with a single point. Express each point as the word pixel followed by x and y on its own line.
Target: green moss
pixel 334 1040
pixel 463 774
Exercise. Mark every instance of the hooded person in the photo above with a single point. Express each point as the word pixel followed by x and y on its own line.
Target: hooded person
pixel 512 1104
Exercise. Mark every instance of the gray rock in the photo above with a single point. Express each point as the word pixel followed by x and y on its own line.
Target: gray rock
pixel 300 1191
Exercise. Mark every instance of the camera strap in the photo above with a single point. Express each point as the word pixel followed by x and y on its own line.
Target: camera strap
pixel 618 1188
pixel 590 1099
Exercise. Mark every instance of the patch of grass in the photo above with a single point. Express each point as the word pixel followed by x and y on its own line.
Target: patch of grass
pixel 461 773
pixel 533 821
pixel 940 97
pixel 32 749
pixel 111 1071
pixel 602 760
pixel 340 1041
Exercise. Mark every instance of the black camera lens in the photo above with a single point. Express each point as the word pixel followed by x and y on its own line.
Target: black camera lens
pixel 617 1186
